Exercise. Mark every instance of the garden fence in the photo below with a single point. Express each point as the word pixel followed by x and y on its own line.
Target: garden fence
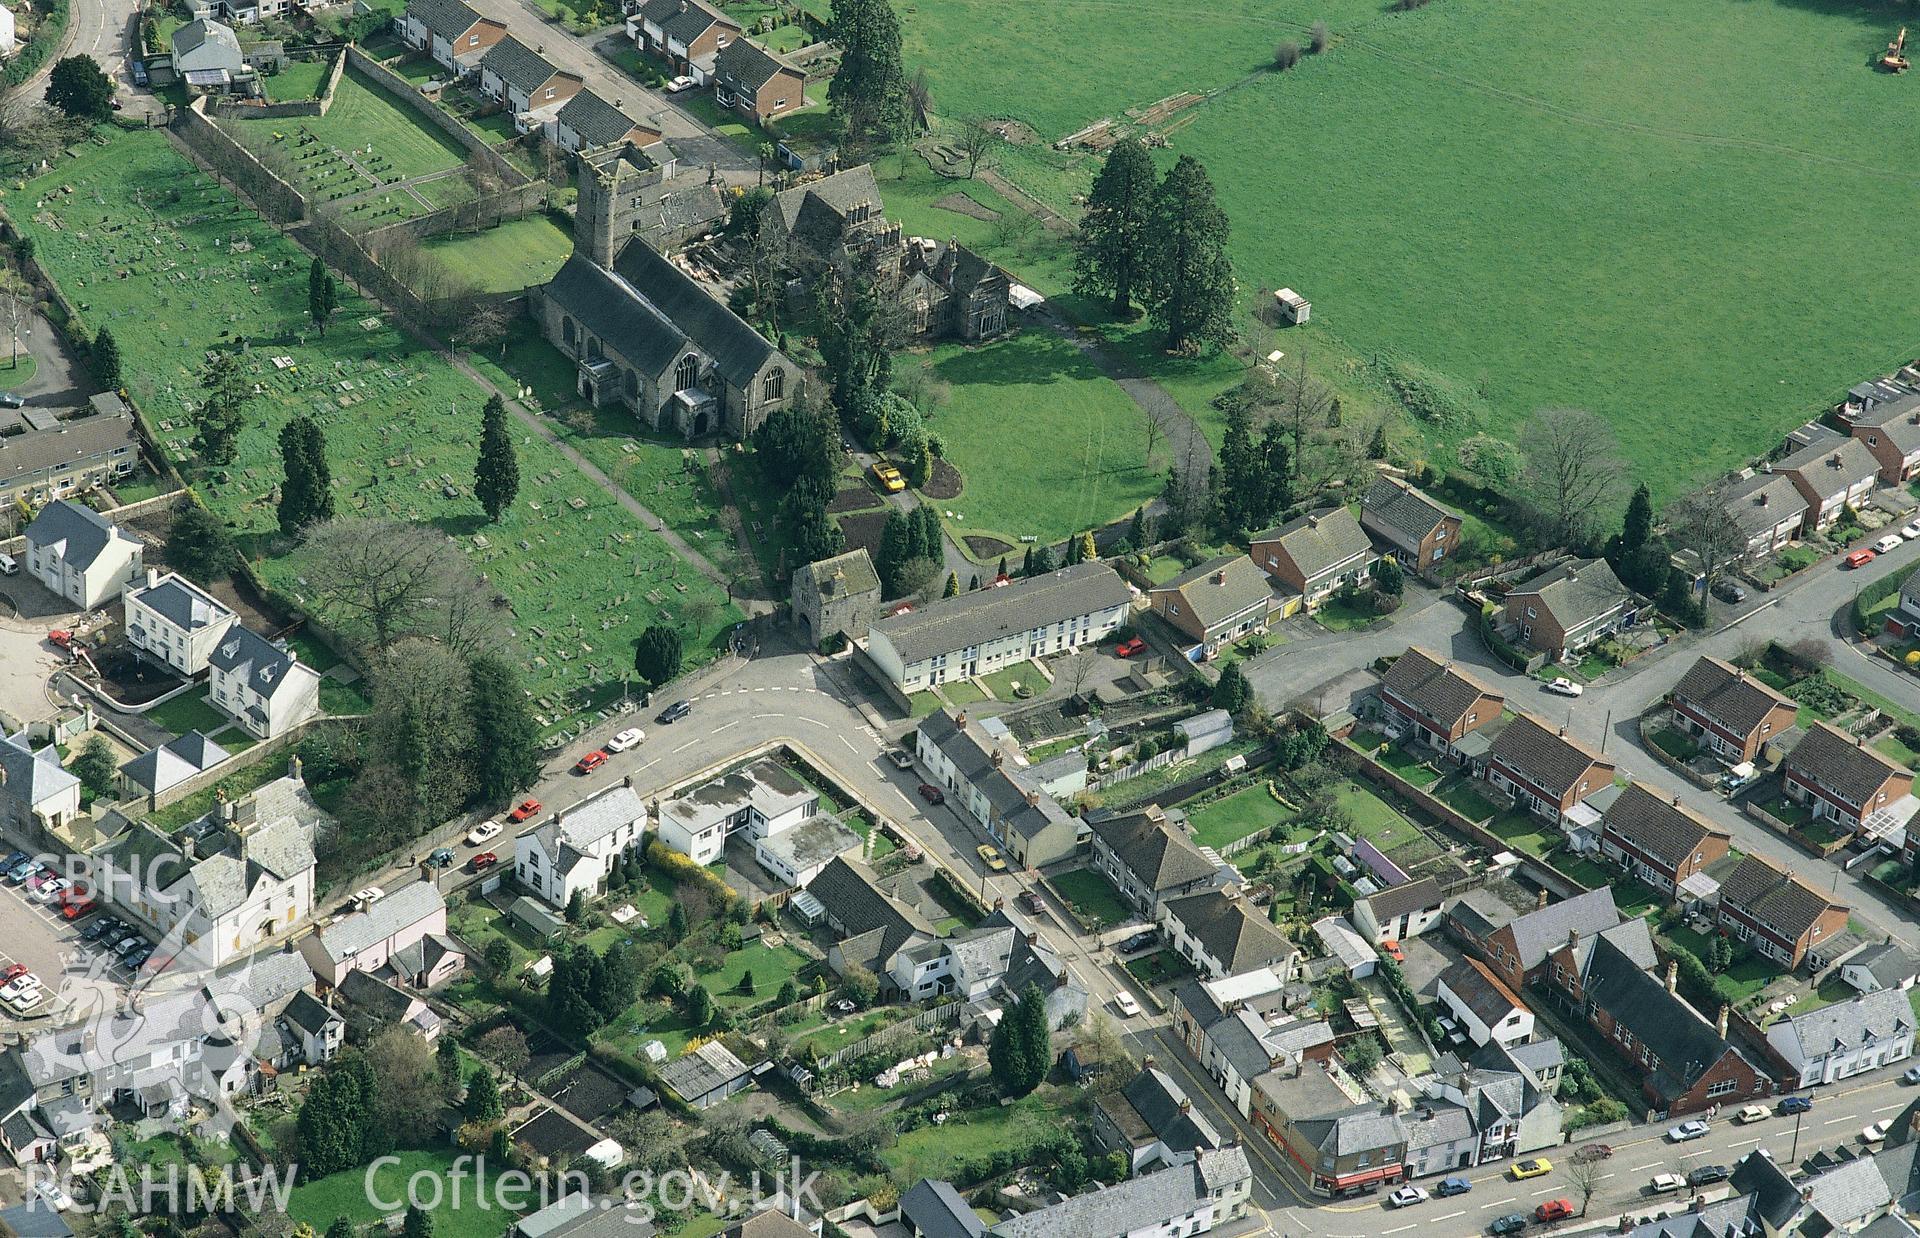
pixel 925 1020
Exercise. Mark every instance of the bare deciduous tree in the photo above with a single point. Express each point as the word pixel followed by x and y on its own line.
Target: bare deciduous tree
pixel 380 579
pixel 1584 1175
pixel 485 325
pixel 977 139
pixel 1573 472
pixel 1700 522
pixel 16 307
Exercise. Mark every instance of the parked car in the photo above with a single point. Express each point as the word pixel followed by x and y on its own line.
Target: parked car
pixel 1877 1133
pixel 129 945
pixel 673 713
pixel 94 931
pixel 1553 1210
pixel 1125 1003
pixel 523 810
pixel 24 871
pixel 1407 1196
pixel 626 739
pixel 74 908
pixel 483 861
pixel 680 84
pixel 1887 544
pixel 1912 1075
pixel 1753 1113
pixel 1564 686
pixel 1666 1184
pixel 1859 558
pixel 1391 948
pixel 1706 1175
pixel 901 758
pixel 1512 1223
pixel 1449 1187
pixel 57 1199
pixel 1028 902
pixel 367 896
pixel 990 856
pixel 1532 1167
pixel 12 399
pixel 51 889
pixel 13 858
pixel 1729 591
pixel 1695 1129
pixel 931 793
pixel 481 833
pixel 591 761
pixel 1139 941
pixel 14 972
pixel 1910 530
pixel 441 857
pixel 1133 647
pixel 1796 1104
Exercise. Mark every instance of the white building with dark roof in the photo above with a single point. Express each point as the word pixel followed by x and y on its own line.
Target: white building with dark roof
pixel 262 685
pixel 990 781
pixel 37 793
pixel 172 763
pixel 1845 1039
pixel 176 622
pixel 763 799
pixel 573 851
pixel 81 556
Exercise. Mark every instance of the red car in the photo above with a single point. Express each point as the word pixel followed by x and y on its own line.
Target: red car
pixel 1392 947
pixel 592 761
pixel 1594 1152
pixel 1130 648
pixel 1554 1210
pixel 525 809
pixel 483 861
pixel 75 908
pixel 1860 558
pixel 932 794
pixel 14 972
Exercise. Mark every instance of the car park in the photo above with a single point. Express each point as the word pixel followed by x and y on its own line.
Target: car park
pixel 1859 558
pixel 481 833
pixel 1666 1184
pixel 1554 1210
pixel 1796 1104
pixel 1126 1004
pixel 1512 1223
pixel 129 944
pixel 1695 1129
pixel 591 761
pixel 990 856
pixel 673 713
pixel 483 861
pixel 1752 1113
pixel 1449 1187
pixel 1706 1175
pixel 13 858
pixel 1876 1133
pixel 523 810
pixel 931 793
pixel 1888 543
pixel 1407 1196
pixel 1564 686
pixel 626 739
pixel 1532 1167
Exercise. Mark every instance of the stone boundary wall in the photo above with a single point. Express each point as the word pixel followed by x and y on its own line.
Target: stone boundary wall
pixel 236 109
pixel 477 216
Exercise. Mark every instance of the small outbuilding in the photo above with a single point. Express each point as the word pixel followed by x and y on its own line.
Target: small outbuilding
pixel 1293 307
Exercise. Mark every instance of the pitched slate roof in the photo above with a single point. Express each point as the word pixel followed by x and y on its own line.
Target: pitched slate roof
pixel 447 18
pixel 1168 1112
pixel 1221 588
pixel 1538 933
pixel 1405 899
pixel 1840 763
pixel 76 533
pixel 401 909
pixel 1775 898
pixel 854 570
pixel 70 442
pixel 1576 591
pixel 1150 1201
pixel 1728 695
pixel 1674 1032
pixel 751 66
pixel 1546 758
pixel 182 603
pixel 191 36
pixel 685 20
pixel 1898 421
pixel 308 1013
pixel 935 1210
pixel 32 776
pixel 985 615
pixel 1319 541
pixel 1230 931
pixel 267 667
pixel 1888 964
pixel 648 310
pixel 598 122
pixel 1436 688
pixel 838 193
pixel 1657 826
pixel 1760 503
pixel 1160 857
pixel 175 761
pixel 1830 458
pixel 1630 937
pixel 1481 991
pixel 518 65
pixel 847 889
pixel 1882 1015
pixel 1405 509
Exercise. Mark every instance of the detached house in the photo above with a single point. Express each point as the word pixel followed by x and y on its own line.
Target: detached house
pixel 1147 860
pixel 1831 472
pixel 1314 556
pixel 574 850
pixel 1568 608
pixel 263 686
pixel 763 799
pixel 687 34
pixel 1547 773
pixel 80 556
pixel 1215 603
pixel 759 84
pixel 453 33
pixel 989 780
pixel 1400 912
pixel 1845 1039
pixel 1658 841
pixel 1891 431
pixel 1777 913
pixel 401 937
pixel 1518 946
pixel 1221 936
pixel 524 80
pixel 1729 712
pixel 1419 530
pixel 1767 508
pixel 1437 703
pixel 1842 780
pixel 176 622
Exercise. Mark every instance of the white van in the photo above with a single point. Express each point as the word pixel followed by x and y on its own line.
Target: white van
pixel 8 565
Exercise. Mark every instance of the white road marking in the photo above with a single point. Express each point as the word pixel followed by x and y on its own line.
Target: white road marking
pixel 683 747
pixel 815 721
pixel 1649 1164
pixel 1451 1215
pixel 1499 1202
pixel 1889 1108
pixel 1548 1191
pixel 723 726
pixel 1831 1121
pixel 1403 1229
pixel 1748 1144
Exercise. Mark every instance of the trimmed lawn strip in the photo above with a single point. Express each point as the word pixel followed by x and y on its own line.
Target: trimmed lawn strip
pixel 347 1194
pixel 190 711
pixel 1235 816
pixel 515 255
pixel 1092 897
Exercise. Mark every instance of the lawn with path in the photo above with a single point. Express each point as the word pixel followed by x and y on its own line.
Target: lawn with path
pixel 351 1193
pixel 1233 817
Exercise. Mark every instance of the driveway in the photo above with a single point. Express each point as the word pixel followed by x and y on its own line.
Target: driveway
pixel 57 381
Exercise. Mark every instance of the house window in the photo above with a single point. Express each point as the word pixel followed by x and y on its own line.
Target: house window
pixel 473 40
pixel 1726 1087
pixel 687 373
pixel 778 104
pixel 1531 614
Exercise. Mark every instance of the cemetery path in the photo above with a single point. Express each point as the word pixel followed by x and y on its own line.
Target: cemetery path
pixel 700 563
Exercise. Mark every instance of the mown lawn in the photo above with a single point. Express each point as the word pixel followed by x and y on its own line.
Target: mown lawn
pixel 1092 897
pixel 347 1194
pixel 516 255
pixel 1520 828
pixel 1235 816
pixel 1417 141
pixel 189 711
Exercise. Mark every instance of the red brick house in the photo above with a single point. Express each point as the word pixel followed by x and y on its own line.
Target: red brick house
pixel 1891 431
pixel 1313 556
pixel 1778 914
pixel 1419 530
pixel 1831 472
pixel 1569 965
pixel 1728 711
pixel 1657 840
pixel 1841 779
pixel 1545 772
pixel 1436 701
pixel 1518 947
pixel 687 34
pixel 1568 608
pixel 757 83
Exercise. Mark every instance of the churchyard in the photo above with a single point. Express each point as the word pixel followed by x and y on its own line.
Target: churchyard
pixel 141 242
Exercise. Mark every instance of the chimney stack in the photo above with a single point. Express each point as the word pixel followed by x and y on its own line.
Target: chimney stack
pixel 997 758
pixel 1033 799
pixel 1673 977
pixel 1573 938
pixel 1720 1024
pixel 1676 801
pixel 1540 901
pixel 1220 577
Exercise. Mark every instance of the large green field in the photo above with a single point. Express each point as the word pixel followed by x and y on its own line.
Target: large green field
pixel 1677 213
pixel 143 243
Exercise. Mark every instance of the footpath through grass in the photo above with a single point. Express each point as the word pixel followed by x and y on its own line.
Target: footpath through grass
pixel 142 242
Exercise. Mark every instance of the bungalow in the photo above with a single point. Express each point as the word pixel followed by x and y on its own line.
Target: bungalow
pixel 1313 556
pixel 687 34
pixel 588 122
pixel 169 765
pixel 1436 702
pixel 1891 431
pixel 1839 778
pixel 1881 966
pixel 1545 772
pixel 80 556
pixel 761 85
pixel 1570 607
pixel 451 32
pixel 1221 936
pixel 1400 912
pixel 1216 603
pixel 1418 529
pixel 1845 1039
pixel 1147 860
pixel 873 928
pixel 1767 508
pixel 1658 841
pixel 524 80
pixel 1729 712
pixel 991 783
pixel 1781 915
pixel 1832 472
pixel 176 622
pixel 1488 1010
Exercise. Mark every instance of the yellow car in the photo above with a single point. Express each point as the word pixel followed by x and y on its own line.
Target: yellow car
pixel 1537 1167
pixel 888 477
pixel 991 858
